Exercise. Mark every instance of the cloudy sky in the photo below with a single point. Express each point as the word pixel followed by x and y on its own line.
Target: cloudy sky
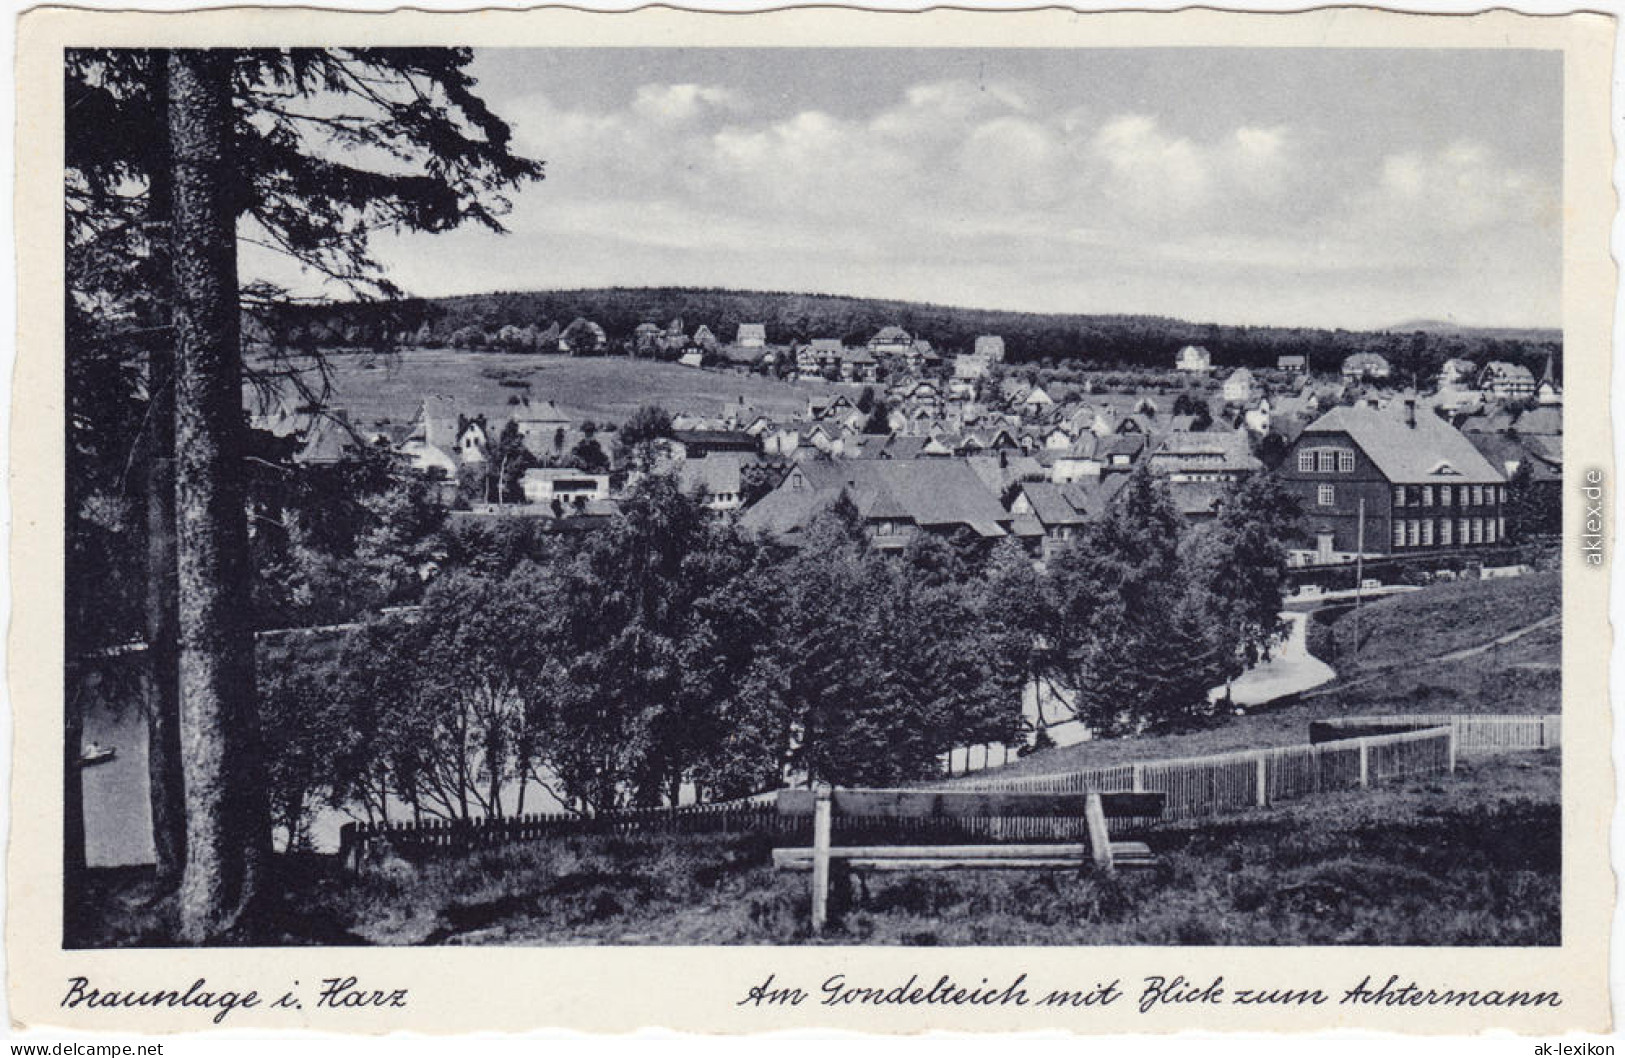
pixel 1325 187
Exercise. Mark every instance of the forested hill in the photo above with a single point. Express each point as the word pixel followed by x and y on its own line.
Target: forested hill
pixel 1108 340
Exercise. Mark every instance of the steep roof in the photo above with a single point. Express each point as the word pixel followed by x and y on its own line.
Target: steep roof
pixel 1050 505
pixel 1431 452
pixel 1091 496
pixel 717 474
pixel 1545 421
pixel 749 331
pixel 1231 445
pixel 929 492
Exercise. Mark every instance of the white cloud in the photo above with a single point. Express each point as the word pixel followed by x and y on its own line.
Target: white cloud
pixel 682 102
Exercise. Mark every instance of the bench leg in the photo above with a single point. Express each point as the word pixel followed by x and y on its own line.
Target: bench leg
pixel 1100 839
pixel 820 871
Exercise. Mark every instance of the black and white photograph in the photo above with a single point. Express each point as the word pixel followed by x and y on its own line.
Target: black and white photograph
pixel 882 497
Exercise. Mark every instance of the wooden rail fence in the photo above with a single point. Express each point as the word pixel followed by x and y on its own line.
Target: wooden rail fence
pixel 1349 753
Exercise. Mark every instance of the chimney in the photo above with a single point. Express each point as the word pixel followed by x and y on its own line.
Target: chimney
pixel 1410 412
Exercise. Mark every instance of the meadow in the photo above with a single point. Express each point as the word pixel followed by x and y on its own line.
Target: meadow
pixel 390 386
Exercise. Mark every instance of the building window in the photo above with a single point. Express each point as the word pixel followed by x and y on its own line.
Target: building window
pixel 1326 460
pixel 1427 495
pixel 1444 495
pixel 1345 461
pixel 1489 530
pixel 1445 536
pixel 1478 530
pixel 1399 533
pixel 1427 532
pixel 1413 533
pixel 1501 527
pixel 1478 495
pixel 1463 536
pixel 1328 496
pixel 1399 495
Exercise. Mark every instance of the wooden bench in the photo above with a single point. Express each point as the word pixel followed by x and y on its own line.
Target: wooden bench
pixel 824 804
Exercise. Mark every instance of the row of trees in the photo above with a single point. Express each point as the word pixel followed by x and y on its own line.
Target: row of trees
pixel 671 648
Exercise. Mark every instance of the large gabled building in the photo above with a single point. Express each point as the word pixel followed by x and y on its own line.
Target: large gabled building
pixel 1421 483
pixel 896 498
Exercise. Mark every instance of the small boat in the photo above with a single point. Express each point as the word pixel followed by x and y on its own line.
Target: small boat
pixel 94 754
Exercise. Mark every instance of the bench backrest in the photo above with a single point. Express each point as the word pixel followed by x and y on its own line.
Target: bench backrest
pixel 966 804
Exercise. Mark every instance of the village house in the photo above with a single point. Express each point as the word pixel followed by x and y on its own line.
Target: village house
pixel 1238 388
pixel 645 337
pixel 1456 372
pixel 751 335
pixel 1082 460
pixel 896 499
pixel 1366 367
pixel 827 405
pixel 1036 402
pixel 1548 392
pixel 1257 417
pixel 1395 479
pixel 583 338
pixel 920 356
pixel 543 485
pixel 539 425
pixel 990 347
pixel 1209 456
pixel 718 480
pixel 1044 506
pixel 890 341
pixel 1294 362
pixel 1193 358
pixel 1506 381
pixel 971 367
pixel 858 366
pixel 827 354
pixel 698 444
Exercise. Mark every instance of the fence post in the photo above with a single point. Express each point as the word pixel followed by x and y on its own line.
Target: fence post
pixel 1451 743
pixel 1365 765
pixel 820 876
pixel 1263 798
pixel 1139 778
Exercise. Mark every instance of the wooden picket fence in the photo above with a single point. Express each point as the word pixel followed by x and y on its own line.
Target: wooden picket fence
pixel 428 836
pixel 1423 745
pixel 1227 782
pixel 1480 734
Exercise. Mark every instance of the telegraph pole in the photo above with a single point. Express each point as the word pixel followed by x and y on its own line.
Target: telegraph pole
pixel 1359 572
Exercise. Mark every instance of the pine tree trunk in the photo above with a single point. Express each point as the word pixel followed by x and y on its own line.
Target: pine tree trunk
pixel 73 800
pixel 227 825
pixel 165 786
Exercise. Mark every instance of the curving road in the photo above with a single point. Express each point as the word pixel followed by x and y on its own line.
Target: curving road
pixel 1291 669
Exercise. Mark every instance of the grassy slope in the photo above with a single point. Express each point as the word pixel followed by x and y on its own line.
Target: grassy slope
pixel 1472 860
pixel 1405 629
pixel 1398 633
pixel 598 388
